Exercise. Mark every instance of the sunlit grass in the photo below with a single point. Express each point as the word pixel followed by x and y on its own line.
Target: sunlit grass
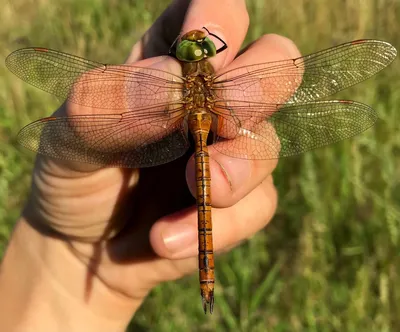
pixel 330 259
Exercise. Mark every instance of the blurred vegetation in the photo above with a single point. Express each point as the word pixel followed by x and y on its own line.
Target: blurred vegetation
pixel 330 259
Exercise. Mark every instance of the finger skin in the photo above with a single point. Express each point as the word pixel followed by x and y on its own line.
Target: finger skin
pixel 231 225
pixel 267 48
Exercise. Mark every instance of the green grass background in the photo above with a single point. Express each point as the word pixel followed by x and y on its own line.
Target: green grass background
pixel 330 259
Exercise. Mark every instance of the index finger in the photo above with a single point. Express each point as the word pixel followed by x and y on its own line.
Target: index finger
pixel 228 19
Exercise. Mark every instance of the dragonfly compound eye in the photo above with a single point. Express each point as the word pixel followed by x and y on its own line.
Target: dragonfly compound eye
pixel 192 51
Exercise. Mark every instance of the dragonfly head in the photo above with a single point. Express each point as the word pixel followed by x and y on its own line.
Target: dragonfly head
pixel 195 46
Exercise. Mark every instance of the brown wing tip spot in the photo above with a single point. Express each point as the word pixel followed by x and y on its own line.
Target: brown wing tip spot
pixel 41 49
pixel 50 118
pixel 359 41
pixel 346 101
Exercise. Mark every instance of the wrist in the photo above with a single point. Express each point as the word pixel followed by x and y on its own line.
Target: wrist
pixel 43 287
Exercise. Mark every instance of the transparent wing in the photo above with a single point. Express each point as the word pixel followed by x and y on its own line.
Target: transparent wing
pixel 307 78
pixel 122 140
pixel 93 84
pixel 150 130
pixel 269 131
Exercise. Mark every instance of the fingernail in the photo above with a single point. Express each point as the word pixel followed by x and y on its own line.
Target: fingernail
pixel 236 171
pixel 178 237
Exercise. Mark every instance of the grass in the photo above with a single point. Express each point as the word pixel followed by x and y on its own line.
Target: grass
pixel 330 259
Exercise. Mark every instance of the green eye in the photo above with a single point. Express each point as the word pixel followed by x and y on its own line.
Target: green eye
pixel 209 47
pixel 191 51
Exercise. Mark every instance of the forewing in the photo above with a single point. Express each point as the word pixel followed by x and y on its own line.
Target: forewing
pixel 93 84
pixel 307 78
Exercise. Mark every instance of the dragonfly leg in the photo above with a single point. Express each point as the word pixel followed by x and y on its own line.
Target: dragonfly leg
pixel 223 47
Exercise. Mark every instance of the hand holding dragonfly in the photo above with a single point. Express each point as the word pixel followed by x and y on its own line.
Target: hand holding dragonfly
pixel 122 223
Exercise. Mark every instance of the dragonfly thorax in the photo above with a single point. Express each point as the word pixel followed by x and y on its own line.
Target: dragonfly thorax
pixel 198 85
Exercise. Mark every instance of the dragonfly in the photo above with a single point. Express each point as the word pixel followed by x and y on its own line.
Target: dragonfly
pixel 136 117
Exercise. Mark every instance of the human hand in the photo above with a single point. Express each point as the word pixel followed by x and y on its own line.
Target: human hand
pixel 110 235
